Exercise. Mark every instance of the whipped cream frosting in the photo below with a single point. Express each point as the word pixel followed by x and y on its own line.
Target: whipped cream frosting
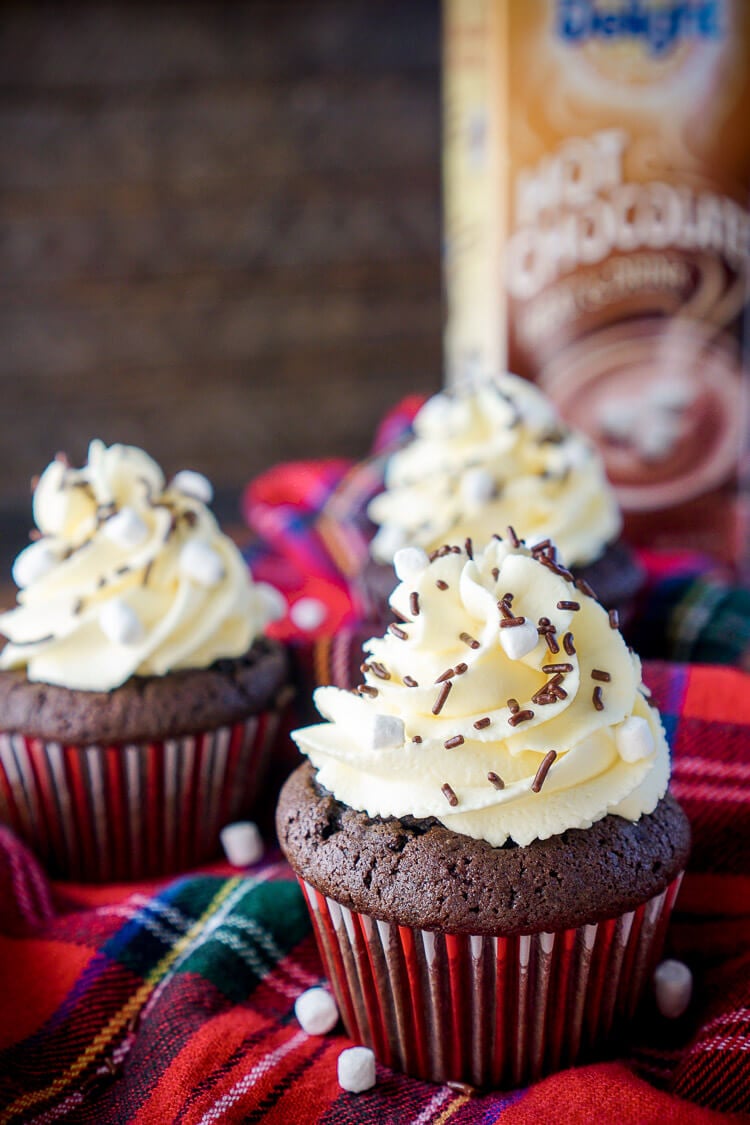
pixel 498 739
pixel 128 575
pixel 488 457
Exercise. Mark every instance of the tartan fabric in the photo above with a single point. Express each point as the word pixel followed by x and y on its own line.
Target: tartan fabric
pixel 173 1002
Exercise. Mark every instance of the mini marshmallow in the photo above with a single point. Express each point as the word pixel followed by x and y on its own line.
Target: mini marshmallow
pixel 193 484
pixel 656 440
pixel 671 394
pixel 519 640
pixel 120 623
pixel 201 563
pixel 126 528
pixel 273 601
pixel 409 562
pixel 387 732
pixel 316 1011
pixel 633 739
pixel 33 563
pixel 242 843
pixel 356 1069
pixel 477 487
pixel 673 986
pixel 308 613
pixel 618 417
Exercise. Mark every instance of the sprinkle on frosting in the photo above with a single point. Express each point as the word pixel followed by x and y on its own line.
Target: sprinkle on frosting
pixel 529 722
pixel 129 577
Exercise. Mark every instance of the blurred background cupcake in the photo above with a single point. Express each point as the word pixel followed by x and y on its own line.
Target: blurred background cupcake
pixel 139 700
pixel 483 830
pixel 493 456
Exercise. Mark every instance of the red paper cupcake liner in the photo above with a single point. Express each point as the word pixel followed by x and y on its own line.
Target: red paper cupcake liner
pixel 132 811
pixel 490 1011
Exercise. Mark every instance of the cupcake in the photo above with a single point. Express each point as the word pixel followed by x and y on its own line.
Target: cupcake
pixel 483 831
pixel 139 699
pixel 492 456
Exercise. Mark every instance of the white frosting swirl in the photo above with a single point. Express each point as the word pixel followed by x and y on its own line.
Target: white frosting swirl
pixel 129 577
pixel 388 753
pixel 489 457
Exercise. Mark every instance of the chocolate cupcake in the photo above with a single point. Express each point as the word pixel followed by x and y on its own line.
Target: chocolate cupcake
pixel 483 831
pixel 139 700
pixel 492 456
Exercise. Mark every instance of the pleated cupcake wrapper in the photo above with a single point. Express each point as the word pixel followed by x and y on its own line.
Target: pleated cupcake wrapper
pixel 132 811
pixel 490 1011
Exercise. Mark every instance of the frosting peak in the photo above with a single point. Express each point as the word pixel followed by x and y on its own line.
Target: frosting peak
pixel 129 575
pixel 502 701
pixel 495 455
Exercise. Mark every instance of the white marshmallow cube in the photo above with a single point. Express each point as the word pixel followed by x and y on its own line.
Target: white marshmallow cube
pixel 308 613
pixel 519 640
pixel 33 563
pixel 386 732
pixel 272 600
pixel 126 528
pixel 410 562
pixel 202 563
pixel 356 1069
pixel 120 623
pixel 633 739
pixel 242 843
pixel 193 484
pixel 316 1011
pixel 477 487
pixel 673 986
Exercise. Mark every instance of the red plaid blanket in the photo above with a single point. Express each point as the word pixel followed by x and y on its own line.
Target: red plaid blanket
pixel 174 1002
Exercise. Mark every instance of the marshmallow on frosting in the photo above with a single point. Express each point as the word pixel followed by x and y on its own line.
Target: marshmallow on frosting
pixel 130 576
pixel 498 739
pixel 494 455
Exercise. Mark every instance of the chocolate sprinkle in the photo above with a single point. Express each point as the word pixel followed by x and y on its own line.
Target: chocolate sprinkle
pixel 414 603
pixel 35 535
pixel 147 572
pixel 380 670
pixel 461 668
pixel 513 537
pixel 614 619
pixel 469 548
pixel 445 690
pixel 521 717
pixel 441 585
pixel 550 669
pixel 367 689
pixel 417 738
pixel 568 645
pixel 468 640
pixel 77 607
pixel 514 706
pixel 584 587
pixel 480 724
pixel 496 780
pixel 552 644
pixel 457 740
pixel 569 605
pixel 449 795
pixel 448 674
pixel 496 572
pixel 597 674
pixel 410 682
pixel 397 631
pixel 512 622
pixel 597 698
pixel 541 773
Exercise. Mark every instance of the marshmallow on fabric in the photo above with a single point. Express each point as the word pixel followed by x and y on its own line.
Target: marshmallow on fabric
pixel 316 1011
pixel 242 843
pixel 356 1069
pixel 673 985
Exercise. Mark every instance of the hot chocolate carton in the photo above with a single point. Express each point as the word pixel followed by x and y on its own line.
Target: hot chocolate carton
pixel 596 168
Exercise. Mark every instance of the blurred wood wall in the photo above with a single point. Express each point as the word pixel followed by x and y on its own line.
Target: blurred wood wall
pixel 219 229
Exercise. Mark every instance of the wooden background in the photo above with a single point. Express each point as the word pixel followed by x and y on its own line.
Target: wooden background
pixel 219 231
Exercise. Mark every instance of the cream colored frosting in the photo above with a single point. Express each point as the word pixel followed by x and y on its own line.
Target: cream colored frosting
pixel 129 576
pixel 493 456
pixel 612 760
